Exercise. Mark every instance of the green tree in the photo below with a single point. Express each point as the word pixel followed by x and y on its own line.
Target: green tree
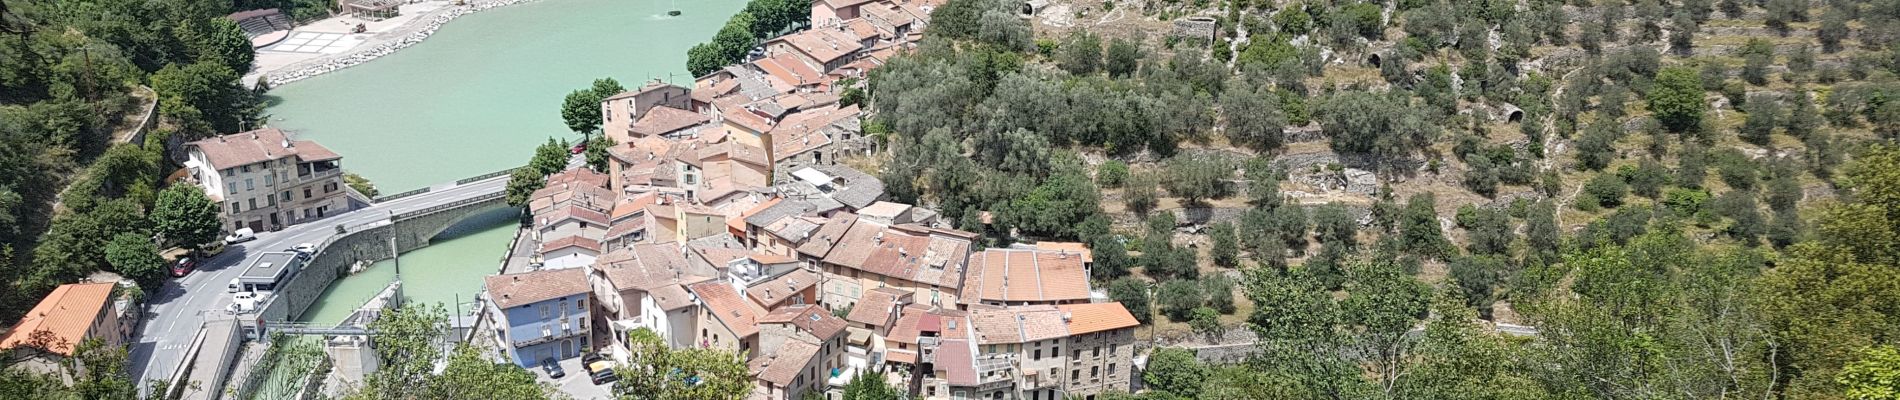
pixel 1420 229
pixel 471 374
pixel 99 372
pixel 1133 294
pixel 219 40
pixel 1111 174
pixel 1199 178
pixel 1220 293
pixel 522 184
pixel 656 370
pixel 596 154
pixel 204 98
pixel 1140 195
pixel 1175 371
pixel 1876 375
pixel 1762 110
pixel 1383 126
pixel 135 257
pixel 1226 250
pixel 549 158
pixel 1123 57
pixel 870 386
pixel 406 342
pixel 184 215
pixel 1206 321
pixel 1676 99
pixel 1178 298
pixel 1081 54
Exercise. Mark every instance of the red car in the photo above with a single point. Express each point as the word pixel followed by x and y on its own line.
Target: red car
pixel 578 148
pixel 184 266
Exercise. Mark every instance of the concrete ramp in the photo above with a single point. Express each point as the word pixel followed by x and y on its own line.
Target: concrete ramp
pixel 207 362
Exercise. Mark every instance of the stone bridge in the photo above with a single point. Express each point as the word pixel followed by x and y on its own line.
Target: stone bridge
pixel 421 216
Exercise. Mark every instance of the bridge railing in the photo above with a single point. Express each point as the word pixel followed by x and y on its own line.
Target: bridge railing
pixel 447 206
pixel 380 199
pixel 465 181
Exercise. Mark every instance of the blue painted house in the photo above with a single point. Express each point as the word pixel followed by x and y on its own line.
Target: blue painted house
pixel 540 315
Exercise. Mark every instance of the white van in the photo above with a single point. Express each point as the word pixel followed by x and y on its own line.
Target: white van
pixel 235 286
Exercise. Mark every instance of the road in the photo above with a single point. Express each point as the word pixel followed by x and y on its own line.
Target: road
pixel 175 311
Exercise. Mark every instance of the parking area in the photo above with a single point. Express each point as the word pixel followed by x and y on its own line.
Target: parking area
pixel 317 42
pixel 576 383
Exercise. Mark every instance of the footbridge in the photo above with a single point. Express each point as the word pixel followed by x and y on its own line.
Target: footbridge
pixel 384 229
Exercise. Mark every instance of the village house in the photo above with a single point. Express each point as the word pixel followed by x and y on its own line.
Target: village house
pixel 726 319
pixel 72 314
pixel 539 315
pixel 872 253
pixel 644 286
pixel 1053 352
pixel 265 180
pixel 807 353
pixel 1015 277
pixel 621 112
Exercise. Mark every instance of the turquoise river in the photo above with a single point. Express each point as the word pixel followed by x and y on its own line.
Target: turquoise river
pixel 477 97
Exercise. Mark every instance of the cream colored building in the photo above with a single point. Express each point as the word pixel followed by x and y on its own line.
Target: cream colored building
pixel 264 179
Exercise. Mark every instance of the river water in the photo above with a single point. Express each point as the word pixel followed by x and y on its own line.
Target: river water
pixel 477 97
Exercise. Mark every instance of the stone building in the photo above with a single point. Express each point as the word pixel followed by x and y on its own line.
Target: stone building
pixel 263 179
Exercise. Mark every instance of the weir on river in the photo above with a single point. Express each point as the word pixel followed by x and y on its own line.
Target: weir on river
pixel 478 96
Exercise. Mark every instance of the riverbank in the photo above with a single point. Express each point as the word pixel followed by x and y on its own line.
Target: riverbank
pixel 408 34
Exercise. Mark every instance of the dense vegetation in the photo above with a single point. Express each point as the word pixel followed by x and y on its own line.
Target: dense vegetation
pixel 72 73
pixel 1677 210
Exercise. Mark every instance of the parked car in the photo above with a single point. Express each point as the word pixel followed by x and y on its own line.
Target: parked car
pixel 234 287
pixel 184 266
pixel 305 248
pixel 578 148
pixel 240 236
pixel 215 248
pixel 599 370
pixel 553 368
pixel 244 302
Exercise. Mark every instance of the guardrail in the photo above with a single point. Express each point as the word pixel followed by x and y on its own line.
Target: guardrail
pixel 446 206
pixel 380 199
pixel 465 181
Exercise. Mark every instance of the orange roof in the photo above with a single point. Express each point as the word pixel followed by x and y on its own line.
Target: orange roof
pixel 1014 275
pixel 237 149
pixel 1097 317
pixel 814 319
pixel 782 365
pixel 779 288
pixel 725 304
pixel 1072 247
pixel 874 308
pixel 1020 324
pixel 65 315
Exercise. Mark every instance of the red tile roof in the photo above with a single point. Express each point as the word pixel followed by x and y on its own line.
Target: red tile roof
pixel 64 315
pixel 237 149
pixel 1097 317
pixel 779 288
pixel 781 365
pixel 1016 275
pixel 874 306
pixel 512 290
pixel 726 305
pixel 810 318
pixel 911 253
pixel 662 120
pixel 823 45
pixel 571 241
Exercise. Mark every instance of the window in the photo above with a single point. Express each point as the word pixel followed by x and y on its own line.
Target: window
pixel 1055 350
pixel 1097 352
pixel 247 184
pixel 1095 372
pixel 580 305
pixel 270 180
pixel 253 202
pixel 306 193
pixel 1037 355
pixel 1077 354
pixel 544 310
pixel 1075 375
pixel 231 187
pixel 286 195
pixel 235 207
pixel 229 172
pixel 246 168
pixel 1111 368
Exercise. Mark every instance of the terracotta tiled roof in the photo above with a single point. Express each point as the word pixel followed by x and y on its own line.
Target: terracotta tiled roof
pixel 823 45
pixel 662 120
pixel 65 315
pixel 726 305
pixel 813 319
pixel 558 215
pixel 790 69
pixel 1097 317
pixel 911 253
pixel 958 365
pixel 780 366
pixel 820 243
pixel 745 118
pixel 579 176
pixel 260 145
pixel 874 306
pixel 1018 324
pixel 635 203
pixel 511 290
pixel 571 241
pixel 805 131
pixel 779 288
pixel 1013 275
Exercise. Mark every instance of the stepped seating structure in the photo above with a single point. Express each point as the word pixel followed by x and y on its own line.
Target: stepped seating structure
pixel 264 27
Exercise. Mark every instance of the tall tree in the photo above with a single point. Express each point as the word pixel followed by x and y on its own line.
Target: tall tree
pixel 1676 98
pixel 184 215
